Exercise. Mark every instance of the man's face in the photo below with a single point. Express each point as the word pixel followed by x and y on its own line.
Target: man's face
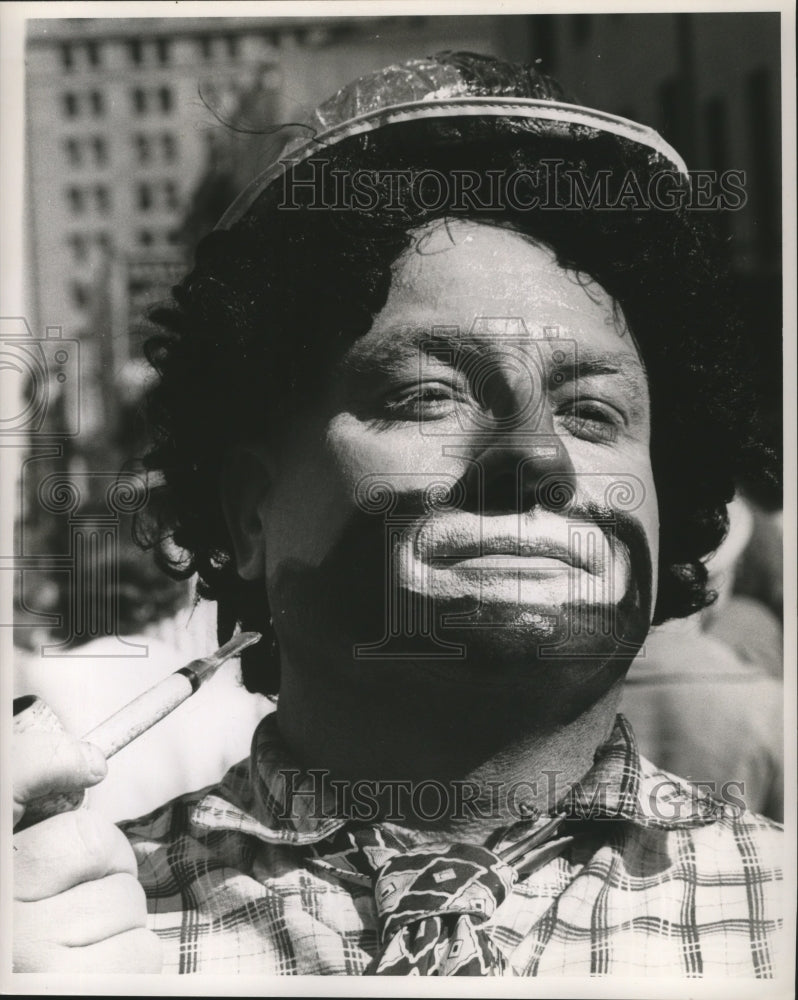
pixel 473 491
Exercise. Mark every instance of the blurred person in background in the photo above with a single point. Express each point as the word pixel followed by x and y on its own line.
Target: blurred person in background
pixel 706 698
pixel 752 618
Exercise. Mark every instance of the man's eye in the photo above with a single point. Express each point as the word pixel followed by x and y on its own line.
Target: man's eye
pixel 593 421
pixel 429 400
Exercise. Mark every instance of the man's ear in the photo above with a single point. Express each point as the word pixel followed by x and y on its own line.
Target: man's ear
pixel 244 487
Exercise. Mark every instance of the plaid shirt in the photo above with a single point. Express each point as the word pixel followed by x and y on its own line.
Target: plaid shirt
pixel 660 879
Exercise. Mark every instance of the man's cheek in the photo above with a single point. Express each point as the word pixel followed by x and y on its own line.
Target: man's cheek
pixel 653 538
pixel 640 531
pixel 631 525
pixel 360 450
pixel 346 596
pixel 306 513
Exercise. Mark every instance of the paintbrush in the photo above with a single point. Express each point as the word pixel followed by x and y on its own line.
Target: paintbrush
pixel 126 725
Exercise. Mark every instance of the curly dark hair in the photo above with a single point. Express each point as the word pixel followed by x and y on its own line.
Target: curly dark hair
pixel 272 302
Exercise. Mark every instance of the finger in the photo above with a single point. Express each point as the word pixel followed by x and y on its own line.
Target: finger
pixel 85 914
pixel 66 850
pixel 44 763
pixel 138 950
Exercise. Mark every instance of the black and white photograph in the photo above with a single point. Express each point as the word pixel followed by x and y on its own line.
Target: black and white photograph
pixel 398 498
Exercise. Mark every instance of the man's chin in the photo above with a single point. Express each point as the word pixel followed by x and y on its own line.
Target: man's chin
pixel 545 662
pixel 526 636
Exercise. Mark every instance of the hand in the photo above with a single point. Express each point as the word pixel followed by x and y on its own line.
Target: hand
pixel 78 906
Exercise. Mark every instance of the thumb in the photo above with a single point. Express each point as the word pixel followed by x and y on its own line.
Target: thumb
pixel 48 763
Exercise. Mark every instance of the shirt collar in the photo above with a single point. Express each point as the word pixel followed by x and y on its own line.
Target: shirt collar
pixel 274 799
pixel 623 785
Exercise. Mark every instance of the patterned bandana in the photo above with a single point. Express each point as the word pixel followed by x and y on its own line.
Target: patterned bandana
pixel 430 909
pixel 433 902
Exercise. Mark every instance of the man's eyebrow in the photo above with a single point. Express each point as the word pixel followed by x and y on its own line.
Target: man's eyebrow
pixel 395 347
pixel 625 364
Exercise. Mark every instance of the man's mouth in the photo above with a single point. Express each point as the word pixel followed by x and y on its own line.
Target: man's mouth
pixel 527 546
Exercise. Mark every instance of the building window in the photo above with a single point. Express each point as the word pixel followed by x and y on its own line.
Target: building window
pixel 67 57
pixel 93 52
pixel 135 51
pixel 231 44
pixel 165 98
pixel 765 187
pixel 671 122
pixel 80 294
pixel 102 199
pixel 100 149
pixel 144 197
pixel 206 47
pixel 73 152
pixel 716 129
pixel 103 241
pixel 79 246
pixel 139 97
pixel 145 238
pixel 169 147
pixel 97 103
pixel 76 199
pixel 170 195
pixel 173 236
pixel 716 122
pixel 162 50
pixel 143 148
pixel 70 104
pixel 581 27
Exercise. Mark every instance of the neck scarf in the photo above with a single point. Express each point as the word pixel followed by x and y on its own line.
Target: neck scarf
pixel 433 903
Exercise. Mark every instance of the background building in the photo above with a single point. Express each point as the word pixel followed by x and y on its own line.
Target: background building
pixel 710 83
pixel 122 114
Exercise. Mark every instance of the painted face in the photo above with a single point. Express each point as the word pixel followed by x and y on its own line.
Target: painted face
pixel 473 491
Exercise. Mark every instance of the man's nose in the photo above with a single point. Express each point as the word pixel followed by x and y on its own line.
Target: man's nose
pixel 521 467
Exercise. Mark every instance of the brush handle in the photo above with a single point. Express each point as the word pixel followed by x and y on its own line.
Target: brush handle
pixel 141 714
pixel 32 714
pixel 124 726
